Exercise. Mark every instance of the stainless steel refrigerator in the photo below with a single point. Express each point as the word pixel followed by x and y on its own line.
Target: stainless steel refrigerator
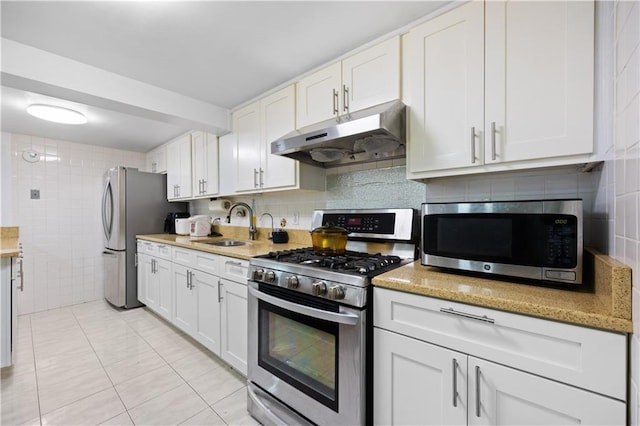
pixel 133 203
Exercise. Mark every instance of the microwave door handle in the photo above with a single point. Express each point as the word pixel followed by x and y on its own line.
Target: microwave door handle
pixel 342 318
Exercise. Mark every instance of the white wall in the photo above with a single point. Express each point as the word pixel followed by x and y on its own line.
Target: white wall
pixel 624 161
pixel 61 232
pixel 6 190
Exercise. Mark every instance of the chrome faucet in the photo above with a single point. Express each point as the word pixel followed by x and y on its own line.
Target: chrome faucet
pixel 270 233
pixel 252 226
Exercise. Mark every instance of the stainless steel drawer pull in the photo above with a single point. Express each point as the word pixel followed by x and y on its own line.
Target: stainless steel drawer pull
pixel 473 145
pixel 493 140
pixel 452 311
pixel 478 391
pixel 455 382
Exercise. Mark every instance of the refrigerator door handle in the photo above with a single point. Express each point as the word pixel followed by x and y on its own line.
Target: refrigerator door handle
pixel 107 204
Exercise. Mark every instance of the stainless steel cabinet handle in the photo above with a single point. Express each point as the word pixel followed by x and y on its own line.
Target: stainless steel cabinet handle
pixel 255 178
pixel 191 281
pixel 261 177
pixel 455 382
pixel 473 145
pixel 21 272
pixel 154 167
pixel 188 279
pixel 204 186
pixel 493 140
pixel 219 291
pixel 477 391
pixel 335 102
pixel 345 98
pixel 452 311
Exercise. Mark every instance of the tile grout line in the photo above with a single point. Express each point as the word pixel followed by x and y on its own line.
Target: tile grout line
pixel 103 369
pixel 35 369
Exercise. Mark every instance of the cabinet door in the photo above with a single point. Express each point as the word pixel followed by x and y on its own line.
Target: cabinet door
pixel 184 316
pixel 500 395
pixel 246 127
pixel 151 284
pixel 371 77
pixel 234 324
pixel 162 279
pixel 318 96
pixel 144 269
pixel 208 318
pixel 179 168
pixel 539 79
pixel 277 118
pixel 156 160
pixel 416 383
pixel 205 164
pixel 444 90
pixel 227 163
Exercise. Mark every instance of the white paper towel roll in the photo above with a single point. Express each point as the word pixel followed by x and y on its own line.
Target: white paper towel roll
pixel 219 205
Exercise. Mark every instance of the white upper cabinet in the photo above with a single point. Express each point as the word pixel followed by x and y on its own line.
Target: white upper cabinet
pixel 500 86
pixel 277 118
pixel 366 79
pixel 205 181
pixel 257 125
pixel 444 88
pixel 246 128
pixel 156 160
pixel 227 162
pixel 539 79
pixel 179 168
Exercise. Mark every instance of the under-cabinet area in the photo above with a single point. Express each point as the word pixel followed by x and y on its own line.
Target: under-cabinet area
pixel 442 362
pixel 202 294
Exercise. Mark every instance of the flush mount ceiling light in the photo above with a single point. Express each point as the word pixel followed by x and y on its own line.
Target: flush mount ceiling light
pixel 56 114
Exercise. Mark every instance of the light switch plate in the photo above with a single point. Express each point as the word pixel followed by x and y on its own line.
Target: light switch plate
pixel 35 194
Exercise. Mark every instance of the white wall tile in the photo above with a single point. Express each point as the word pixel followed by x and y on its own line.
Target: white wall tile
pixel 62 228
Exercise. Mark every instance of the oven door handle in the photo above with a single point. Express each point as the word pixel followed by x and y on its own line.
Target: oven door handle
pixel 342 318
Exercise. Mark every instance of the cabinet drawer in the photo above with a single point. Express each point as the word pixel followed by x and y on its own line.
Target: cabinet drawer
pixel 195 259
pixel 584 357
pixel 233 269
pixel 154 249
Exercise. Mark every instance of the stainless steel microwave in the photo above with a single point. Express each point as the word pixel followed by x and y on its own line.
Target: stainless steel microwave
pixel 538 239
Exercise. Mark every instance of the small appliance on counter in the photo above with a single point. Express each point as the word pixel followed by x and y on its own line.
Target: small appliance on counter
pixel 170 221
pixel 200 226
pixel 183 226
pixel 538 240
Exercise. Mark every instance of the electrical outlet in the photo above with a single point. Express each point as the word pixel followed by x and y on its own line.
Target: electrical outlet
pixel 296 218
pixel 35 194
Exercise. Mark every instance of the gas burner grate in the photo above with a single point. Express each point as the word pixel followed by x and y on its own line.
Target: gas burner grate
pixel 350 261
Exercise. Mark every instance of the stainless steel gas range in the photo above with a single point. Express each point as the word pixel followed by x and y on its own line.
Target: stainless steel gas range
pixel 309 322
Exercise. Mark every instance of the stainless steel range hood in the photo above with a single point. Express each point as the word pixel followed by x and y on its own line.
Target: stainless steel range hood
pixel 372 134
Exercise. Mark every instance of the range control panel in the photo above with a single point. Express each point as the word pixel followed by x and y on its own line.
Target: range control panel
pixel 388 224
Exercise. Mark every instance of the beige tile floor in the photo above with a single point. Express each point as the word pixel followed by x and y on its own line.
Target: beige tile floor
pixel 91 364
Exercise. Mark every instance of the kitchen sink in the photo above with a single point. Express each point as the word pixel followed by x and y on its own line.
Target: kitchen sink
pixel 225 243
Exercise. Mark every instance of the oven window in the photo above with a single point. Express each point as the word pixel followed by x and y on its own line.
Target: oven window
pixel 300 350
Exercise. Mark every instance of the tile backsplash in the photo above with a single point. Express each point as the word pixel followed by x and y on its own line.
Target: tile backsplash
pixel 61 232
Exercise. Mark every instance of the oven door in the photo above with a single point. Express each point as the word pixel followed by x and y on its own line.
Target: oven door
pixel 308 353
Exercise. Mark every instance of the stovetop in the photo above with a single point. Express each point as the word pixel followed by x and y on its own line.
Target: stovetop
pixel 351 262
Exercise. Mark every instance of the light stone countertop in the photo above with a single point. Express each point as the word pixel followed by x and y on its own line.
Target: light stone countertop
pixel 607 306
pixel 297 239
pixel 9 241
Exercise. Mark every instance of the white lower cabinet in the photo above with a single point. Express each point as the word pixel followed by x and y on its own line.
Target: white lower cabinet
pixel 203 294
pixel 207 326
pixel 185 313
pixel 233 320
pixel 440 362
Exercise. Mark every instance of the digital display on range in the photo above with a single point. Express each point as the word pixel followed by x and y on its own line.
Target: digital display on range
pixel 374 223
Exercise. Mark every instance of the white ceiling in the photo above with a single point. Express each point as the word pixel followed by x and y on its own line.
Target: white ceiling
pixel 216 53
